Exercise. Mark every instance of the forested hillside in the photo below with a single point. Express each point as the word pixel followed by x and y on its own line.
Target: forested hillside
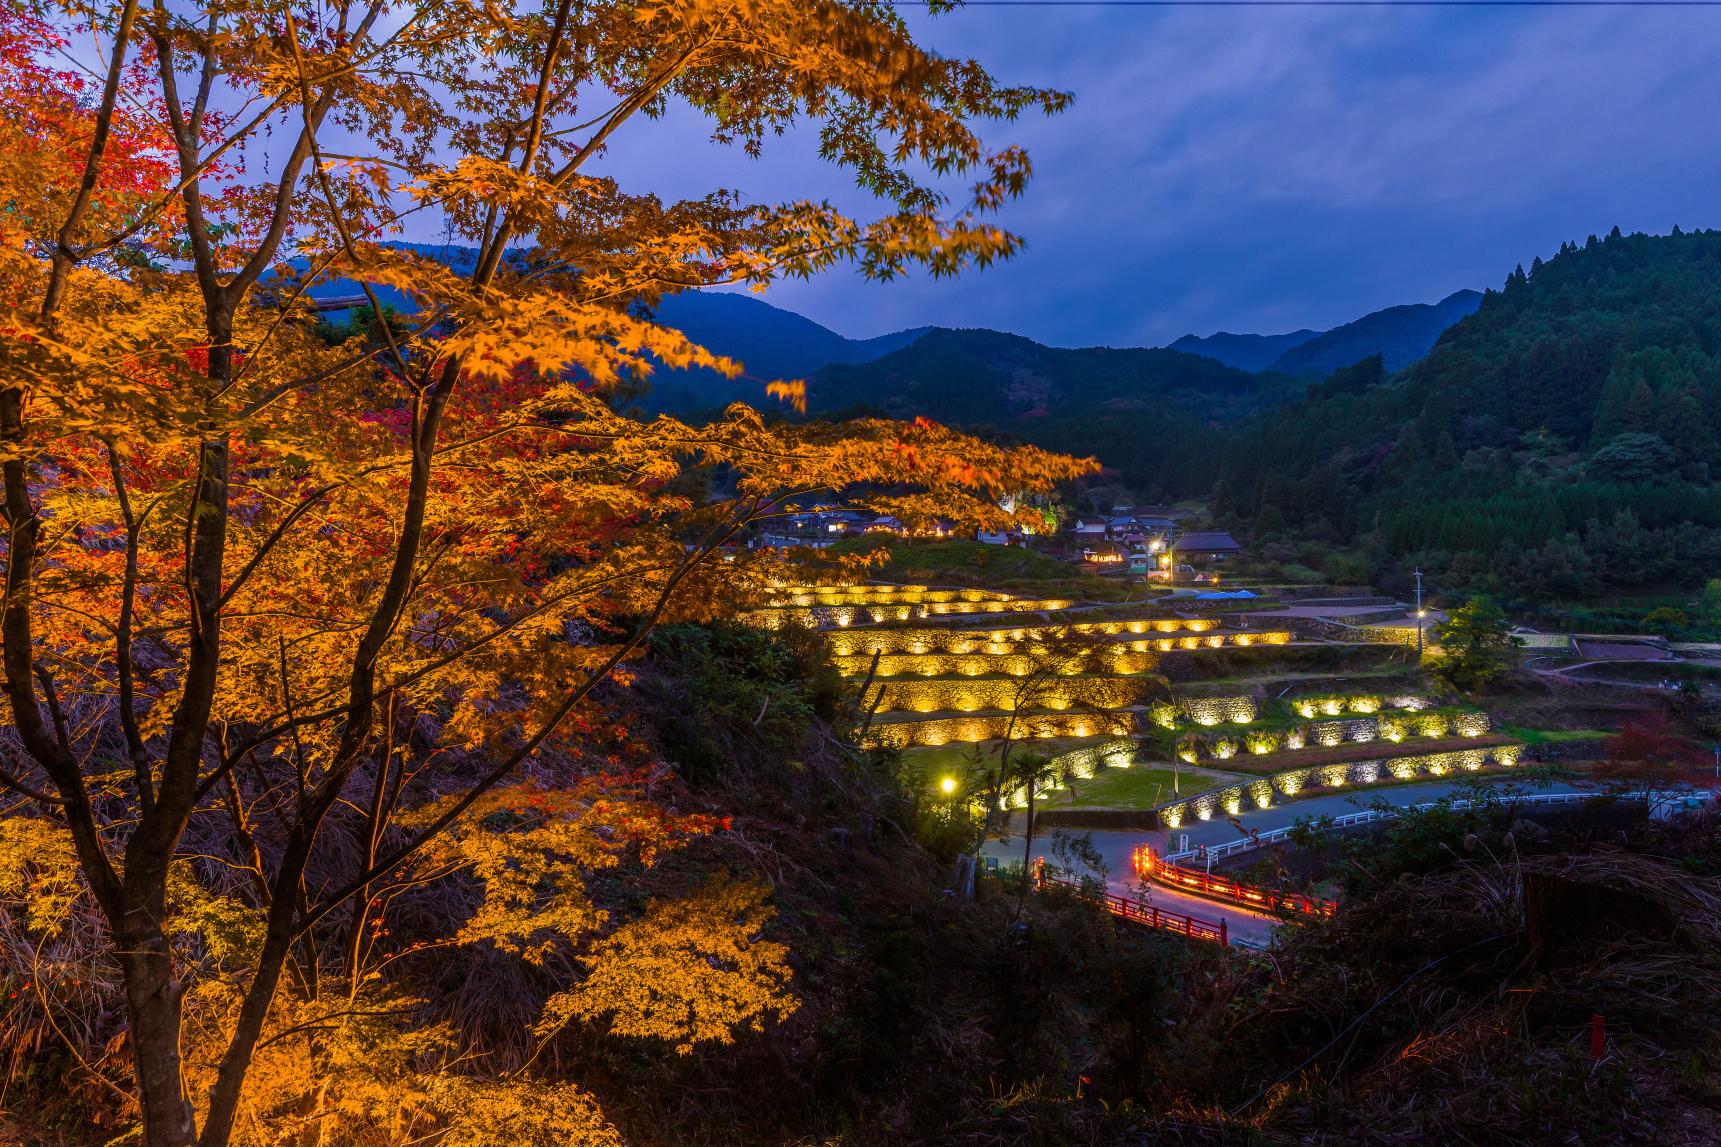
pixel 1560 440
pixel 1151 414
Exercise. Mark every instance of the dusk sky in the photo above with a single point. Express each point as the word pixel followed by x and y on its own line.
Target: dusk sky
pixel 1252 169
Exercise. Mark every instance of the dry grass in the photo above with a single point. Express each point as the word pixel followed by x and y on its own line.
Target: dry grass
pixel 1424 1014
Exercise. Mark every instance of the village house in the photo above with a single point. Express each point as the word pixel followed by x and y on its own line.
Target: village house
pixel 1204 547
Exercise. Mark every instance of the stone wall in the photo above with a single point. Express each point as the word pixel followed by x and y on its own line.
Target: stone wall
pixel 1263 792
pixel 907 732
pixel 1565 752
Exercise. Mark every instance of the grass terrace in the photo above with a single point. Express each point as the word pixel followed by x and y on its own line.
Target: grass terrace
pixel 1134 789
pixel 1555 736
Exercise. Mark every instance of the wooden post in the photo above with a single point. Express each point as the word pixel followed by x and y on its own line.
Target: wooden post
pixel 1224 934
pixel 1598 1035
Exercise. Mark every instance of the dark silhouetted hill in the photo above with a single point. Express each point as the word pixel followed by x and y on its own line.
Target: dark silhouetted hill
pixel 1153 415
pixel 1400 335
pixel 770 342
pixel 1245 352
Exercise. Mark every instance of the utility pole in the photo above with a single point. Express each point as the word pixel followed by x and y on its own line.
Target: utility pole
pixel 1419 613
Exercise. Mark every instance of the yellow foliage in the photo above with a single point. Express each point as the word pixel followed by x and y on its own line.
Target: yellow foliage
pixel 689 971
pixel 228 929
pixel 532 849
pixel 521 1113
pixel 39 868
pixel 275 573
pixel 363 1071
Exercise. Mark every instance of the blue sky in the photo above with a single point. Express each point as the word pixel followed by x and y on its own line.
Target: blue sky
pixel 1255 169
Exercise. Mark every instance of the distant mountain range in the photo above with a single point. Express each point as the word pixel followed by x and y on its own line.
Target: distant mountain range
pixel 1400 335
pixel 1245 352
pixel 1150 414
pixel 990 376
pixel 770 342
pixel 774 343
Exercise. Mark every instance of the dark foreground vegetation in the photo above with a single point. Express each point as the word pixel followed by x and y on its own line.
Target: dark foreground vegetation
pixel 1451 1000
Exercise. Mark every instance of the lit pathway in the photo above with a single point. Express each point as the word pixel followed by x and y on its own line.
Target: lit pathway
pixel 1116 848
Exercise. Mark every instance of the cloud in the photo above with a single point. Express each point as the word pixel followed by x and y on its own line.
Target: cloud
pixel 1253 169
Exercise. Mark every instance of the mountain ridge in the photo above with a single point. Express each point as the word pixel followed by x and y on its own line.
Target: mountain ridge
pixel 1400 334
pixel 1249 352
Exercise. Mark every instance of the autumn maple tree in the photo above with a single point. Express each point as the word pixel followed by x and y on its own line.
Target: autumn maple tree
pixel 1646 755
pixel 292 628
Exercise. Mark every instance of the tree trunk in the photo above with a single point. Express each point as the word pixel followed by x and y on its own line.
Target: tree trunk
pixel 1028 837
pixel 153 996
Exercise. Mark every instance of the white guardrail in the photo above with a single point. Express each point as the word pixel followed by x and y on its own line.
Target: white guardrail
pixel 1261 839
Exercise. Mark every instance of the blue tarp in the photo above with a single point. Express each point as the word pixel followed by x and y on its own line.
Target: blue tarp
pixel 1234 595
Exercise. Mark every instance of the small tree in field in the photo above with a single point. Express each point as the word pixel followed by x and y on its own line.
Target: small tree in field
pixel 290 629
pixel 1476 645
pixel 1646 755
pixel 1053 659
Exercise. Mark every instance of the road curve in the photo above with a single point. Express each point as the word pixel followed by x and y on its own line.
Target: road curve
pixel 1254 929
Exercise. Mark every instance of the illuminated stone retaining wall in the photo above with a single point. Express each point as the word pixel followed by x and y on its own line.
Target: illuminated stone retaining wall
pixel 902 733
pixel 1142 635
pixel 1077 764
pixel 1115 660
pixel 1218 710
pixel 965 696
pixel 1262 793
pixel 1390 727
pixel 1337 704
pixel 976 658
pixel 843 616
pixel 802 595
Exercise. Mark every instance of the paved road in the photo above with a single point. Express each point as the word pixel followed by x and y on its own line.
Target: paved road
pixel 1246 927
pixel 1116 847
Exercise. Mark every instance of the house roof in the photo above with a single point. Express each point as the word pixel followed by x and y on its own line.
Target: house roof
pixel 1206 541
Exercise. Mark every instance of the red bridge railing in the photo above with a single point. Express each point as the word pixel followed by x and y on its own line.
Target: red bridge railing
pixel 1140 912
pixel 1149 866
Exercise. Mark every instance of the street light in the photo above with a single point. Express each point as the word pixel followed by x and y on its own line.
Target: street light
pixel 1420 613
pixel 948 784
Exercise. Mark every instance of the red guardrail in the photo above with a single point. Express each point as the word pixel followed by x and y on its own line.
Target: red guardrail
pixel 1149 866
pixel 1140 912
